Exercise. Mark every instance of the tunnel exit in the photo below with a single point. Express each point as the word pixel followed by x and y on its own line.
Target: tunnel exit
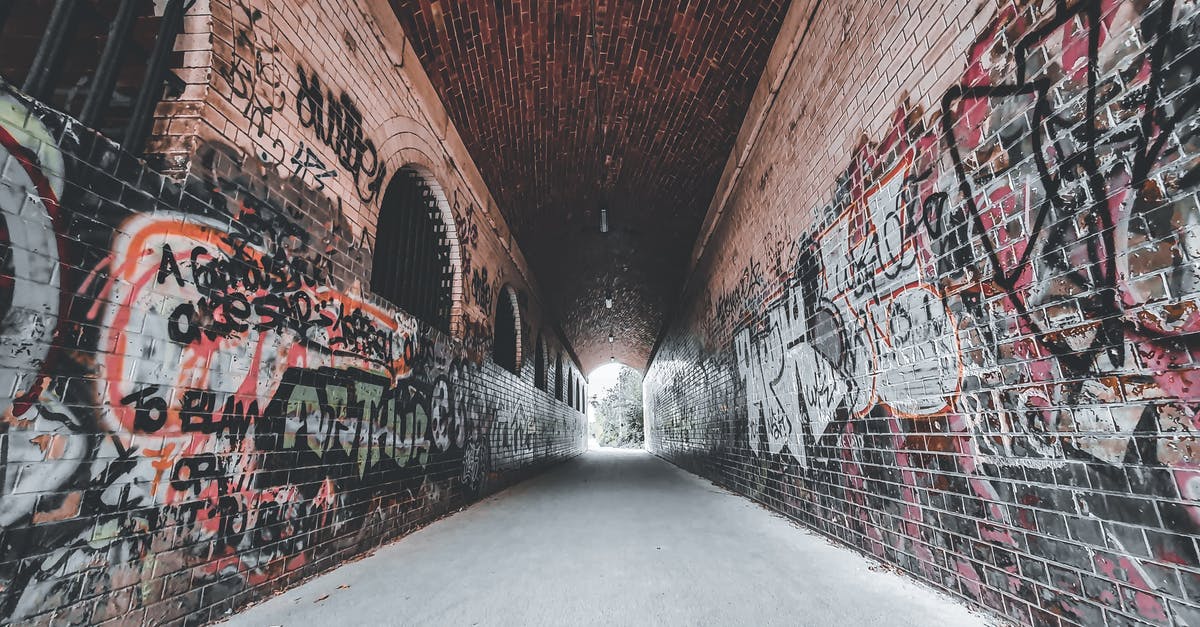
pixel 283 283
pixel 615 407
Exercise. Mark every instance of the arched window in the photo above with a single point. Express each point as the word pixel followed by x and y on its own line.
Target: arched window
pixel 506 337
pixel 558 377
pixel 411 266
pixel 539 365
pixel 570 388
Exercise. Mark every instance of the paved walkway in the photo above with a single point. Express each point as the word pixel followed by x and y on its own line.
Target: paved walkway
pixel 611 538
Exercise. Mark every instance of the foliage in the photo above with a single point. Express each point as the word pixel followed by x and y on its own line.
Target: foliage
pixel 619 412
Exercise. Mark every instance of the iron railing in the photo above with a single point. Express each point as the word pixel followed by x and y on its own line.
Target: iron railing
pixel 70 26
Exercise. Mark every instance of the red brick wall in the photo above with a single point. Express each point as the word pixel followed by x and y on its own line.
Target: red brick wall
pixel 203 402
pixel 948 315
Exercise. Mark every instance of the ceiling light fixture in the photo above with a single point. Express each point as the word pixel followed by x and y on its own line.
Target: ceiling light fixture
pixel 608 300
pixel 603 220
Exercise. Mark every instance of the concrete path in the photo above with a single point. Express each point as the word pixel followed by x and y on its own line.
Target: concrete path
pixel 611 538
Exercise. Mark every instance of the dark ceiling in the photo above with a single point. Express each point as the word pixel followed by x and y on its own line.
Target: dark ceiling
pixel 642 125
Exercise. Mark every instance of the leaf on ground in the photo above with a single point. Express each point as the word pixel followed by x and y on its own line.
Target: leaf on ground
pixel 321 598
pixel 343 586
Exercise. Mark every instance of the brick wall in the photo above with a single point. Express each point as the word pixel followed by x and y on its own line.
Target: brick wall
pixel 203 404
pixel 949 313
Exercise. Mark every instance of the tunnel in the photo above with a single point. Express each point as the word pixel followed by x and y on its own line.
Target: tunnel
pixel 316 312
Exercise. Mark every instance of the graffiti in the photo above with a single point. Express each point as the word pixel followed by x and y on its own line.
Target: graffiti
pixel 996 305
pixel 217 404
pixel 516 432
pixel 253 75
pixel 858 328
pixel 307 164
pixel 482 290
pixel 477 337
pixel 476 464
pixel 338 123
pixel 244 284
pixel 518 437
pixel 468 233
pixel 1103 209
pixel 29 294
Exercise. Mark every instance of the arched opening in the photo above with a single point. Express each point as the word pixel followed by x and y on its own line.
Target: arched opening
pixel 570 388
pixel 506 336
pixel 615 412
pixel 539 364
pixel 558 377
pixel 411 266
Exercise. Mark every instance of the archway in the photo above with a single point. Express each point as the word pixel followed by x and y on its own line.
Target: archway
pixel 506 334
pixel 614 407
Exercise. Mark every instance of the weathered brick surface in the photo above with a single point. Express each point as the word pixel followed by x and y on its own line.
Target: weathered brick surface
pixel 202 402
pixel 950 314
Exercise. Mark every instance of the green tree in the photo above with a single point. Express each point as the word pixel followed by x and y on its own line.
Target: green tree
pixel 619 412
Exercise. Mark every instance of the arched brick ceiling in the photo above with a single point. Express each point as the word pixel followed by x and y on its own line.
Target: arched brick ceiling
pixel 643 125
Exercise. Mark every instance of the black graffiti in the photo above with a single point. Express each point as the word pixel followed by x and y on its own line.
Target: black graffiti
pixel 355 428
pixel 150 411
pixel 1077 184
pixel 252 74
pixel 467 232
pixel 280 491
pixel 305 161
pixel 481 289
pixel 733 308
pixel 338 123
pixel 273 291
pixel 348 410
pixel 198 414
pixel 190 473
pixel 950 231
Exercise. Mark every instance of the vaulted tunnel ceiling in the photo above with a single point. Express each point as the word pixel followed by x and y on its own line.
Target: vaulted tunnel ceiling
pixel 639 118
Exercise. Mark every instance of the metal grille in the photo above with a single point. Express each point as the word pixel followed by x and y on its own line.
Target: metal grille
pixel 411 267
pixel 106 62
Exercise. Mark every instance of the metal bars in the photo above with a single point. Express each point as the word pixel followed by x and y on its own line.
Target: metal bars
pixel 39 82
pixel 100 94
pixel 44 75
pixel 411 262
pixel 152 89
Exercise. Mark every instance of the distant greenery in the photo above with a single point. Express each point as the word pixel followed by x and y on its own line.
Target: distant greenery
pixel 619 412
